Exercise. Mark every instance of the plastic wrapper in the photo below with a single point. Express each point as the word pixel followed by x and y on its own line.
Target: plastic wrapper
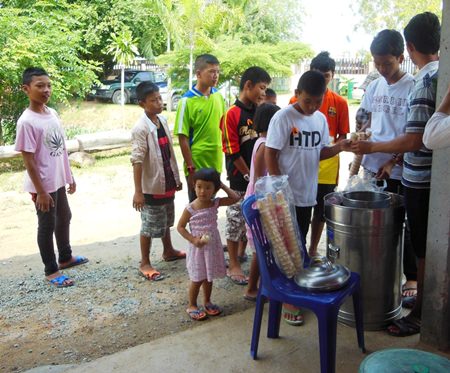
pixel 275 203
pixel 357 159
pixel 362 182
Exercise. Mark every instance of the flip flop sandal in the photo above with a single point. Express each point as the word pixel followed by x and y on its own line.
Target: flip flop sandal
pixel 212 309
pixel 197 315
pixel 180 255
pixel 409 302
pixel 409 289
pixel 250 298
pixel 297 314
pixel 238 279
pixel 60 281
pixel 404 327
pixel 152 276
pixel 78 261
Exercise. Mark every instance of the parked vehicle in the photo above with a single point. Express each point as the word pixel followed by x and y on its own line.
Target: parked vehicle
pixel 110 90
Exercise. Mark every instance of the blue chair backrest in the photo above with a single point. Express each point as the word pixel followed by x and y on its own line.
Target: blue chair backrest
pixel 267 266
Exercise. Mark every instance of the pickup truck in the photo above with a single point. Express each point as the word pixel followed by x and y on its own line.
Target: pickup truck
pixel 109 89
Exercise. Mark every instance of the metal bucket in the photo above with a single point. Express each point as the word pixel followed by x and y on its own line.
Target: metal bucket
pixel 368 241
pixel 366 199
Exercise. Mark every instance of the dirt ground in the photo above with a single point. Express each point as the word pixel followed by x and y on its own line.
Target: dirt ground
pixel 110 307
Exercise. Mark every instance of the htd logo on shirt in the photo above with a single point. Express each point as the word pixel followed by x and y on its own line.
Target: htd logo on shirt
pixel 304 139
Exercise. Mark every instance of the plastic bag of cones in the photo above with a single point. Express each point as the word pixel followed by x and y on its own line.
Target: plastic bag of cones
pixel 357 159
pixel 277 211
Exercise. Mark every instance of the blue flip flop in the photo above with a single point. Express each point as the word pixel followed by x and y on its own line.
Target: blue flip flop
pixel 59 281
pixel 78 261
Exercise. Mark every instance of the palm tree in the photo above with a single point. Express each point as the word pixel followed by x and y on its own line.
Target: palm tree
pixel 123 49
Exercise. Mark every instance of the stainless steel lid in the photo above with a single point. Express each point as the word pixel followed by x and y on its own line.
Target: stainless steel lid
pixel 322 275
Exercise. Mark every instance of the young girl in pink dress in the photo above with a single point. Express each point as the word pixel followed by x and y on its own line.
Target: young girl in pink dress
pixel 205 260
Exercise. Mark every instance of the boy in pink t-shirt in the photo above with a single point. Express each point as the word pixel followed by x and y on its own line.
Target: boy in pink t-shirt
pixel 40 139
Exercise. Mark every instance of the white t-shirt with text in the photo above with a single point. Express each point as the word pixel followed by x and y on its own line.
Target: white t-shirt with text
pixel 299 138
pixel 389 107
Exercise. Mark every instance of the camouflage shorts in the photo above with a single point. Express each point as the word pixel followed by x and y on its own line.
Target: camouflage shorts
pixel 235 229
pixel 156 219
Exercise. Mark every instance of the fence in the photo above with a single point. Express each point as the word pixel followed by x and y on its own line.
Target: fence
pixel 360 66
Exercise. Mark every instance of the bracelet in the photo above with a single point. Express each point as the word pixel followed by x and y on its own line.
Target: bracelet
pixel 191 169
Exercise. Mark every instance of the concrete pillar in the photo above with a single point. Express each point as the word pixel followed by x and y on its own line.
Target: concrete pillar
pixel 436 306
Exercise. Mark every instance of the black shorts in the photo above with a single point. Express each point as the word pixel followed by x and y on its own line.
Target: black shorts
pixel 416 204
pixel 322 191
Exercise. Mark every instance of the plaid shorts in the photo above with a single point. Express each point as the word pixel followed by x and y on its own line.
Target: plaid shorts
pixel 156 219
pixel 235 229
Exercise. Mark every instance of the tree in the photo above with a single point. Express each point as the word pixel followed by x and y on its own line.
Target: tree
pixel 45 33
pixel 235 57
pixel 123 49
pixel 393 14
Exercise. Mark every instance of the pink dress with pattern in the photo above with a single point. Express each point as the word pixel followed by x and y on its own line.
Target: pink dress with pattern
pixel 208 262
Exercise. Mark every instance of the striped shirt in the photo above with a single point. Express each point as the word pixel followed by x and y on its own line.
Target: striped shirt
pixel 421 106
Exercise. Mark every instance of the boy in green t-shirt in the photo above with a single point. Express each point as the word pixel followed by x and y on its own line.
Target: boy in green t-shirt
pixel 197 123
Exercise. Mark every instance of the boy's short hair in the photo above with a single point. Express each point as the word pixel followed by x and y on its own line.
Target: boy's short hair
pixel 387 42
pixel 270 92
pixel 323 62
pixel 144 89
pixel 208 174
pixel 424 32
pixel 263 115
pixel 29 72
pixel 202 61
pixel 313 83
pixel 254 74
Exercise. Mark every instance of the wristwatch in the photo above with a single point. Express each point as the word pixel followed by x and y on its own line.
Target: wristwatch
pixel 246 177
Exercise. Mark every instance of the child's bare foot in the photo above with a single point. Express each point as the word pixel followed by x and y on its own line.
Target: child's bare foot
pixel 74 261
pixel 59 280
pixel 196 314
pixel 171 255
pixel 409 289
pixel 150 273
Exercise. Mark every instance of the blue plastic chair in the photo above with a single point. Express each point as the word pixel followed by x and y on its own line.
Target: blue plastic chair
pixel 278 289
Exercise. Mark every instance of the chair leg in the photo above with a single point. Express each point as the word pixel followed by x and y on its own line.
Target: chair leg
pixel 257 325
pixel 273 327
pixel 327 339
pixel 358 310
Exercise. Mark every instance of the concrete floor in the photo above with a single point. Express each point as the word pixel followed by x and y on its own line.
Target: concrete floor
pixel 222 345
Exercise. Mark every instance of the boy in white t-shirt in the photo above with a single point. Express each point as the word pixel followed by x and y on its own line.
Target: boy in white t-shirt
pixel 40 138
pixel 297 140
pixel 384 109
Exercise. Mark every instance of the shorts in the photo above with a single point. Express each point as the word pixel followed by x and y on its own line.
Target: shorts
pixel 156 219
pixel 235 229
pixel 322 191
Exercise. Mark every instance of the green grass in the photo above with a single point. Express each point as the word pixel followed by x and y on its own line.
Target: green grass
pixel 82 117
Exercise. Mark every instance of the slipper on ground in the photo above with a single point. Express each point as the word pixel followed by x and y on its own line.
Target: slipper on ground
pixel 404 327
pixel 178 256
pixel 297 315
pixel 212 309
pixel 238 279
pixel 79 259
pixel 152 275
pixel 60 281
pixel 197 315
pixel 250 298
